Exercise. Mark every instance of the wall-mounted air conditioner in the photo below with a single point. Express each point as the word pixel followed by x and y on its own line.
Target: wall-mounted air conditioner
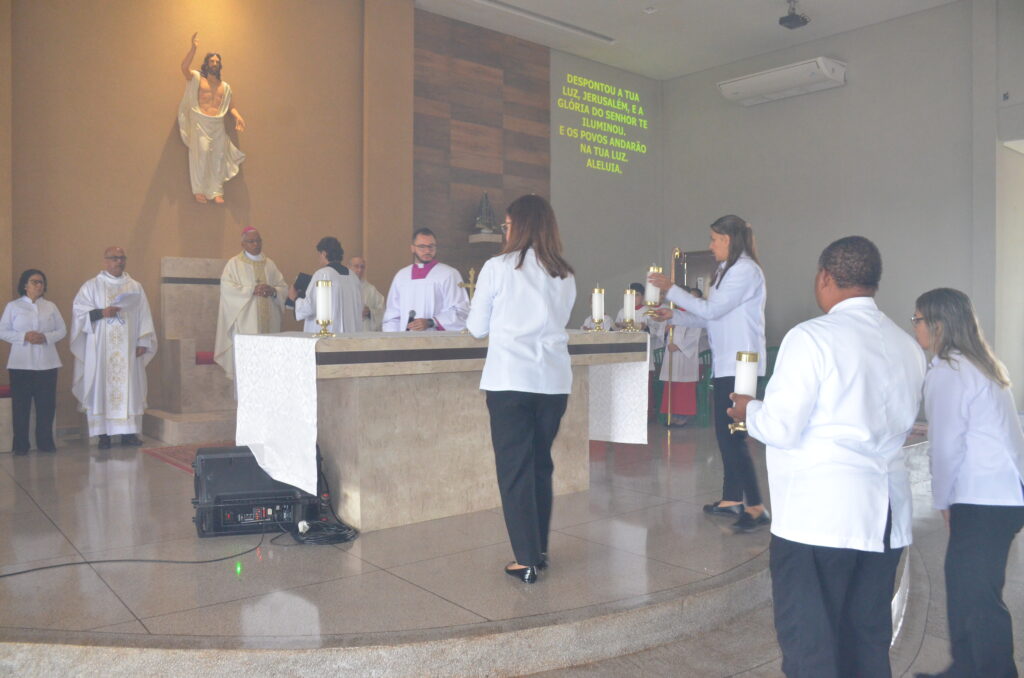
pixel 785 81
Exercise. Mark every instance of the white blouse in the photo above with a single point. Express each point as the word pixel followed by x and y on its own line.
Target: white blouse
pixel 524 312
pixel 21 316
pixel 974 431
pixel 733 314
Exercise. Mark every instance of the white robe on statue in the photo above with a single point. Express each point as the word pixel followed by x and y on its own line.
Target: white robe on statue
pixel 435 294
pixel 212 158
pixel 373 300
pixel 346 302
pixel 109 380
pixel 240 311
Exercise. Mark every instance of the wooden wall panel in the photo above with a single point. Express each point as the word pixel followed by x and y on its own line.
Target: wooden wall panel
pixel 482 123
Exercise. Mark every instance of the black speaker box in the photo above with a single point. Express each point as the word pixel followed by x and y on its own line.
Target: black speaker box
pixel 235 496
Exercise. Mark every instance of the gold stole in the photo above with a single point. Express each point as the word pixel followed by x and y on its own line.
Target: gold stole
pixel 259 272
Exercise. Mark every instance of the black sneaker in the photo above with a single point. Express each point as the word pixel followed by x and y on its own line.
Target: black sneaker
pixel 104 443
pixel 716 510
pixel 748 523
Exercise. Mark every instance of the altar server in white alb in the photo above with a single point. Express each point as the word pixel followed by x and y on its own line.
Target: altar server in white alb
pixel 252 294
pixel 837 411
pixel 112 339
pixel 426 294
pixel 522 303
pixel 977 454
pixel 346 294
pixel 373 300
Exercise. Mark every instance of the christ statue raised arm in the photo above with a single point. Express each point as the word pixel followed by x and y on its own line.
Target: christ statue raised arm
pixel 212 158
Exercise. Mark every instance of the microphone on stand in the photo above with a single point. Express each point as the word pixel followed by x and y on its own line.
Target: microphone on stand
pixel 412 316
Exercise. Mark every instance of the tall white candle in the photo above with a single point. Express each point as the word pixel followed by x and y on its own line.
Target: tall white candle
pixel 323 301
pixel 746 374
pixel 597 304
pixel 629 306
pixel 652 295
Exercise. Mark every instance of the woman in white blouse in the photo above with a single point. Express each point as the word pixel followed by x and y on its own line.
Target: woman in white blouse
pixel 977 461
pixel 522 303
pixel 733 315
pixel 32 325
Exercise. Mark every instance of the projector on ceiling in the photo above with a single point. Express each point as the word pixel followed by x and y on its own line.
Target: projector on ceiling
pixel 794 20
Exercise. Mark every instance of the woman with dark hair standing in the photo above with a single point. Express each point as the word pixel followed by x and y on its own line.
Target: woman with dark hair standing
pixel 32 325
pixel 977 461
pixel 733 315
pixel 522 303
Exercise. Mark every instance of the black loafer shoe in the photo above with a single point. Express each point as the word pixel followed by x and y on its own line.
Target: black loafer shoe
pixel 104 443
pixel 527 574
pixel 543 564
pixel 733 511
pixel 131 440
pixel 20 453
pixel 748 523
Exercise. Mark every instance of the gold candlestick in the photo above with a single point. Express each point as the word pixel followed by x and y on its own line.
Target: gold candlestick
pixel 631 325
pixel 324 324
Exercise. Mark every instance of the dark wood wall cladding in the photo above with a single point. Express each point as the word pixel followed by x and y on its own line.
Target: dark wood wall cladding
pixel 482 123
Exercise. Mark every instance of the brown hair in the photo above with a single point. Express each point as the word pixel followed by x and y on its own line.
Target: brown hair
pixel 741 239
pixel 534 226
pixel 953 326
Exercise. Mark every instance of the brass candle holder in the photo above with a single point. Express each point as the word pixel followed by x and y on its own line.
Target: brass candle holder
pixel 598 321
pixel 324 324
pixel 652 304
pixel 323 306
pixel 630 305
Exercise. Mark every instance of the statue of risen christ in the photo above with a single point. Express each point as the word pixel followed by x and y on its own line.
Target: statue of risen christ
pixel 212 158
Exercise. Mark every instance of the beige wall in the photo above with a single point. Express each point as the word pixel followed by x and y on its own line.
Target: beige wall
pixel 98 160
pixel 5 162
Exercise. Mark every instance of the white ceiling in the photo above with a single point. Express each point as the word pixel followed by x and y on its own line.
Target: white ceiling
pixel 679 37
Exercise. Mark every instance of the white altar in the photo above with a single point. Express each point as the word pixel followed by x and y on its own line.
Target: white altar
pixel 402 424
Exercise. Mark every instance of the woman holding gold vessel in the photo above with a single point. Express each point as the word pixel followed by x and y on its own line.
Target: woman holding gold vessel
pixel 523 300
pixel 977 463
pixel 733 315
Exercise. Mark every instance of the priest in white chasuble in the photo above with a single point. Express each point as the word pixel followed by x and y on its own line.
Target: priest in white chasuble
pixel 252 294
pixel 112 339
pixel 346 307
pixel 426 296
pixel 373 300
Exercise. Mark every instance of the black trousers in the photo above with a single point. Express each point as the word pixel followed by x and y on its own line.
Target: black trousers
pixel 980 628
pixel 26 386
pixel 523 426
pixel 833 609
pixel 739 479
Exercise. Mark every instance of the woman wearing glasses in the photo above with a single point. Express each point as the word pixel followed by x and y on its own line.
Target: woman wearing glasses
pixel 32 325
pixel 522 303
pixel 977 462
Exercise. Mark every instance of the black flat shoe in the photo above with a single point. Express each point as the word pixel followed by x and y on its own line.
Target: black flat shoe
pixel 527 574
pixel 543 564
pixel 748 523
pixel 131 440
pixel 20 453
pixel 733 511
pixel 48 448
pixel 104 443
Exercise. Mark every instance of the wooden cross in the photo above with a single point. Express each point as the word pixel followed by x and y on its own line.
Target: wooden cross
pixel 471 285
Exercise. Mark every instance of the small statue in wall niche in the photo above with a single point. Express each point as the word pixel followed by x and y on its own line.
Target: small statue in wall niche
pixel 485 216
pixel 212 158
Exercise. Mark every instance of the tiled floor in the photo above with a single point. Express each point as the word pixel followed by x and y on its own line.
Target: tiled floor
pixel 637 531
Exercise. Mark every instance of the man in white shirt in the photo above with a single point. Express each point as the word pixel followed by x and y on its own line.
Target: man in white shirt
pixel 373 300
pixel 112 339
pixel 426 294
pixel 252 294
pixel 844 395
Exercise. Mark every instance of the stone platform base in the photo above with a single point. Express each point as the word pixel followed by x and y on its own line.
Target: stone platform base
pixel 181 429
